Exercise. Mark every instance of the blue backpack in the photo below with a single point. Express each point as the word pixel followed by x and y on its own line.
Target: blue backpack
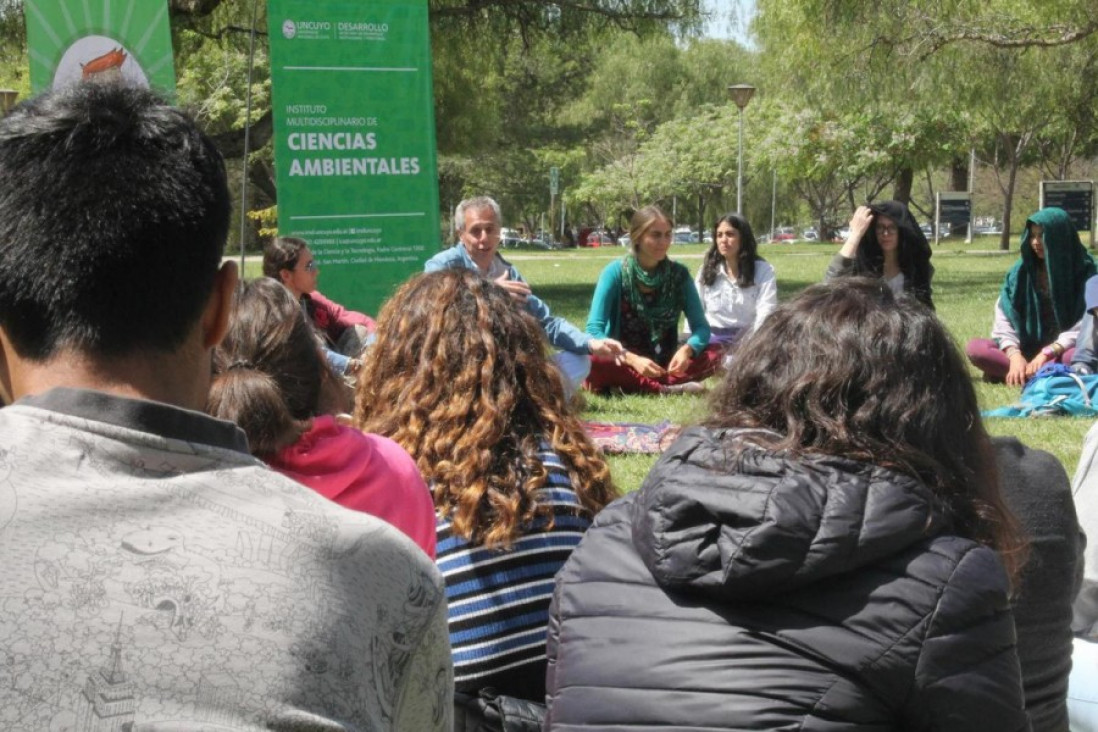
pixel 1055 391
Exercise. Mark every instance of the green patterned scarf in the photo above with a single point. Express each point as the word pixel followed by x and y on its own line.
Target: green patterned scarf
pixel 666 299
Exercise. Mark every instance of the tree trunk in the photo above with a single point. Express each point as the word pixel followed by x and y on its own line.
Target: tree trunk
pixel 701 218
pixel 1008 204
pixel 904 181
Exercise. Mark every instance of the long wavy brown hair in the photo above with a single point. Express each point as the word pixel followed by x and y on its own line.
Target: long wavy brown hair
pixel 847 369
pixel 269 376
pixel 459 377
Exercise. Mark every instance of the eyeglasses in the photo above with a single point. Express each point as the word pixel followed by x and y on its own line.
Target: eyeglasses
pixel 885 230
pixel 310 266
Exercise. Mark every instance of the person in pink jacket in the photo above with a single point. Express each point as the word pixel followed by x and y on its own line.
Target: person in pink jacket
pixel 271 380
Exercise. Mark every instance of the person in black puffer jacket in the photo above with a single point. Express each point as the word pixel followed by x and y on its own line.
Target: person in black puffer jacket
pixel 829 551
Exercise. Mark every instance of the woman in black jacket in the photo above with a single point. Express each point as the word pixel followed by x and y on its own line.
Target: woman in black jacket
pixel 830 551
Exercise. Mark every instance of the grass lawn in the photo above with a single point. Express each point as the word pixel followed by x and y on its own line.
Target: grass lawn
pixel 966 282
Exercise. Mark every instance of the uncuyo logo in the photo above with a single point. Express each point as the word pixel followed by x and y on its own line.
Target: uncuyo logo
pixel 289 28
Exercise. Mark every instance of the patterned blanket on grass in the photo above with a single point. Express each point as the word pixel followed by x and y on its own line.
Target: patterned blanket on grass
pixel 619 438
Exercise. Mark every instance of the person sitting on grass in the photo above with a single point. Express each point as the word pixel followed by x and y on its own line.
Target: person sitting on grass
pixel 737 287
pixel 638 301
pixel 1085 359
pixel 829 550
pixel 460 378
pixel 271 380
pixel 155 574
pixel 344 333
pixel 885 241
pixel 477 223
pixel 1041 303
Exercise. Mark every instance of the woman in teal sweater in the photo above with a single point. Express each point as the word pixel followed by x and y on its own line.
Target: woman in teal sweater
pixel 638 301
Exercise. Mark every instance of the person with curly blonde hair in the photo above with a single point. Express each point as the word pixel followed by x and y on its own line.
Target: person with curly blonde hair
pixel 459 377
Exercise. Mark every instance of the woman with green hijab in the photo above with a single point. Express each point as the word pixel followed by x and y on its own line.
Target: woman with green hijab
pixel 1040 305
pixel 638 301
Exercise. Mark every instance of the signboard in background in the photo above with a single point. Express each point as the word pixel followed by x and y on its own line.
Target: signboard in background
pixel 1074 196
pixel 74 40
pixel 355 140
pixel 952 208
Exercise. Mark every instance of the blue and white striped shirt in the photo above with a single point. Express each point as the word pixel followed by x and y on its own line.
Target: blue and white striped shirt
pixel 499 599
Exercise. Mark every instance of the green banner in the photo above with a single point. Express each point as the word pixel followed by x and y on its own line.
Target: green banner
pixel 71 40
pixel 355 140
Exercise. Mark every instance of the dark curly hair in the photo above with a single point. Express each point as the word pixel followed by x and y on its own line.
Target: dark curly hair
pixel 847 369
pixel 749 252
pixel 459 377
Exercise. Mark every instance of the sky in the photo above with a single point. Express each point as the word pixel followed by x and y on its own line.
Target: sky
pixel 730 18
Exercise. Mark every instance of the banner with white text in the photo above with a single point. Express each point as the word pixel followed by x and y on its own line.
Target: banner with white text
pixel 355 140
pixel 74 40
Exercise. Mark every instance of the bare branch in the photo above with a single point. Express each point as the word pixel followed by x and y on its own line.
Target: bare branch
pixel 997 33
pixel 219 34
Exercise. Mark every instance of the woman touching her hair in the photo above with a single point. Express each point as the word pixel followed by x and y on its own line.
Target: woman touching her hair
pixel 885 241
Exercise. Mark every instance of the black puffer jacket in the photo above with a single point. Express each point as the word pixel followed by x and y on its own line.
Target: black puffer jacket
pixel 742 590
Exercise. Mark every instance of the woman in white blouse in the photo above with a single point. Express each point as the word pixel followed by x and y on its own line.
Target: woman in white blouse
pixel 736 285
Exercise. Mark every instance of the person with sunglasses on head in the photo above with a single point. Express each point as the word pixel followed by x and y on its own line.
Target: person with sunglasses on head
pixel 345 333
pixel 885 241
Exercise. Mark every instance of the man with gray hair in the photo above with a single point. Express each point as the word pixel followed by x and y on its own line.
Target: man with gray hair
pixel 477 223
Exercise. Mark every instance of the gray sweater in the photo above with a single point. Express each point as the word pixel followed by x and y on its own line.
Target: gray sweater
pixel 156 575
pixel 1037 491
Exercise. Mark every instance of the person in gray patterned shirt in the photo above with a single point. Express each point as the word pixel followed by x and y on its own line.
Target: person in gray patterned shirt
pixel 156 576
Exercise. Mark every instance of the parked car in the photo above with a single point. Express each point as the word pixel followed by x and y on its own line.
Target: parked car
pixel 544 241
pixel 625 240
pixel 598 239
pixel 810 234
pixel 510 238
pixel 928 229
pixel 783 233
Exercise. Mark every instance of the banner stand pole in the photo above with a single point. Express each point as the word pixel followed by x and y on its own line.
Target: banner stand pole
pixel 247 139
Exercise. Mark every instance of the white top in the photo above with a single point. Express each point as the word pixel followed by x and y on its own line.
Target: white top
pixel 1003 333
pixel 896 284
pixel 731 307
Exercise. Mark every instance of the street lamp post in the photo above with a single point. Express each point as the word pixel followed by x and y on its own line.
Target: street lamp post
pixel 741 94
pixel 7 99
